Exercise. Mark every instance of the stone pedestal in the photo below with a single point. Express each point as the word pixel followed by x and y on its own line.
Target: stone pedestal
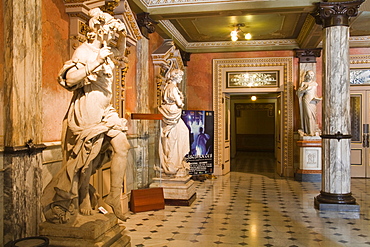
pixel 177 191
pixel 309 159
pixel 94 230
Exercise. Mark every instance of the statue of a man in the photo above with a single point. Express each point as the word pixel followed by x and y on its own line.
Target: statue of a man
pixel 307 95
pixel 93 133
pixel 174 139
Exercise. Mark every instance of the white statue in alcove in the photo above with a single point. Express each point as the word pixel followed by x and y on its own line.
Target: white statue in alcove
pixel 308 99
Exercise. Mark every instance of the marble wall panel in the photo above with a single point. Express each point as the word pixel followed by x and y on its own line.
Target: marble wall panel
pixel 22 193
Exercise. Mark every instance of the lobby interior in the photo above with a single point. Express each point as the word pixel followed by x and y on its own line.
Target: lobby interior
pixel 259 193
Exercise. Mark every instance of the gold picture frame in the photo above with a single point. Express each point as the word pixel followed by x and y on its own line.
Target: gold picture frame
pixel 248 79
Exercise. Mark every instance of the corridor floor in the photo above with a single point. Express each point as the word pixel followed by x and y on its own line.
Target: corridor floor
pixel 252 206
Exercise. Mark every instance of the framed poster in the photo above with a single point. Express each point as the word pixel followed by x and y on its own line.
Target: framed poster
pixel 246 79
pixel 201 133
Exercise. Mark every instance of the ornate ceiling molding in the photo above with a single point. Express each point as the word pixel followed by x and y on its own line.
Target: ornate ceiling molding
pixel 278 44
pixel 158 3
pixel 173 32
pixel 282 43
pixel 359 41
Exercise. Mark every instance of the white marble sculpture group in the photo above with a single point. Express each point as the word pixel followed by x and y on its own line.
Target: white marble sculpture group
pixel 93 133
pixel 308 99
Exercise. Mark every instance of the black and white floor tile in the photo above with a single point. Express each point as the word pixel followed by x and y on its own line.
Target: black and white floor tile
pixel 253 206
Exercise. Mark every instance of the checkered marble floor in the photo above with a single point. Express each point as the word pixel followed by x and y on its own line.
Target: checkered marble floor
pixel 252 206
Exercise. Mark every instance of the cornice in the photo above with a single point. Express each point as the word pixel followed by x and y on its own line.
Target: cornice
pixel 166 3
pixel 173 32
pixel 276 44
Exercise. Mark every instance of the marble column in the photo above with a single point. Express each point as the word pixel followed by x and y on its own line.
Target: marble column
pixel 142 126
pixel 23 115
pixel 336 193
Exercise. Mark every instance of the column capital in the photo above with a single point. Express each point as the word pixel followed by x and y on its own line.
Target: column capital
pixel 146 23
pixel 307 55
pixel 329 14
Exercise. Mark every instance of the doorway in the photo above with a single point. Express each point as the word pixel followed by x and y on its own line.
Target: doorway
pixel 360 120
pixel 253 126
pixel 224 71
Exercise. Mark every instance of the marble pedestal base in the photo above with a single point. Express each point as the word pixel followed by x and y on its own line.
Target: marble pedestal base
pixel 96 230
pixel 177 191
pixel 336 207
pixel 309 159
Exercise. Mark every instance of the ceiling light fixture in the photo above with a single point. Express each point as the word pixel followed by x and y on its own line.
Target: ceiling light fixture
pixel 235 33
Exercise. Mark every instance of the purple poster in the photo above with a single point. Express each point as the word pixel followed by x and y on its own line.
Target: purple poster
pixel 200 124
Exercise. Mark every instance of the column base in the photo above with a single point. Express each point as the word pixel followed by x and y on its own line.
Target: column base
pixel 336 202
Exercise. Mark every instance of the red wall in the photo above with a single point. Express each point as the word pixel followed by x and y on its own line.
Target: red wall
pixel 199 75
pixel 55 51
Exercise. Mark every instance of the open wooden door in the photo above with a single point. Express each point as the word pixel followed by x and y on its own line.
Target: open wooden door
pixel 226 134
pixel 278 136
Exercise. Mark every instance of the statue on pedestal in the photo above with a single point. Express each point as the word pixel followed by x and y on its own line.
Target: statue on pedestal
pixel 174 138
pixel 93 133
pixel 308 99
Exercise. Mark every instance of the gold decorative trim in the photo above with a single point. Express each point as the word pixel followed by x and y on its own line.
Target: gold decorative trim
pixel 360 60
pixel 129 16
pixel 286 63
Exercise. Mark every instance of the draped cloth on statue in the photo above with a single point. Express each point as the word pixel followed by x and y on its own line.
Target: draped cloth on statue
pixel 174 140
pixel 309 116
pixel 87 128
